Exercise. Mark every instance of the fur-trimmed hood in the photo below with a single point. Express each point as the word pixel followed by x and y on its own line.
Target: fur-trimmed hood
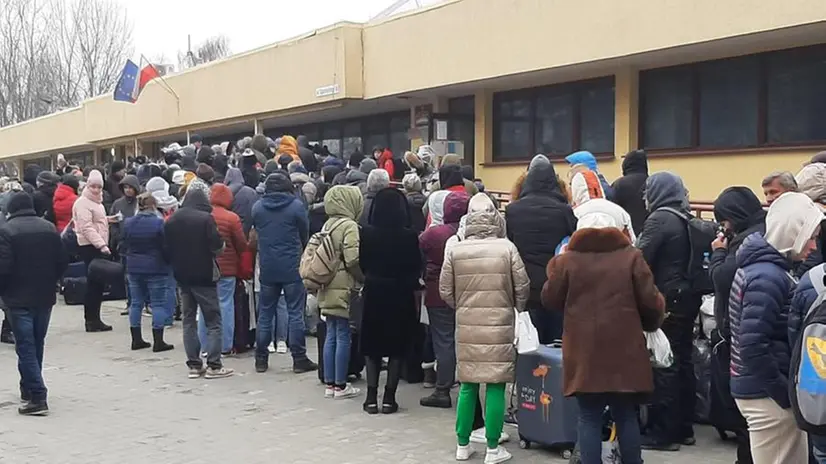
pixel 598 240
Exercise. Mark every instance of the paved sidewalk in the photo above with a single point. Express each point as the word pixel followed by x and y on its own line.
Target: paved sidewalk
pixel 112 405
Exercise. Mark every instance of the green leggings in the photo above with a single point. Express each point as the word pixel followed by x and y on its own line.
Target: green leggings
pixel 494 412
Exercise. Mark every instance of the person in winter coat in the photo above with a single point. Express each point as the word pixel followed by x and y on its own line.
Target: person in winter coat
pixel 147 271
pixel 193 243
pixel 30 174
pixel 344 205
pixel 587 198
pixel 740 214
pixel 628 189
pixel 759 310
pixel 63 201
pixel 483 279
pixel 537 222
pixel 124 207
pixel 811 181
pixel 305 153
pixel 435 205
pixel 235 243
pixel 44 195
pixel 588 159
pixel 243 196
pixel 282 229
pixel 385 161
pixel 442 318
pixel 390 316
pixel 452 159
pixel 115 174
pixel 777 183
pixel 32 260
pixel 289 146
pixel 92 229
pixel 377 181
pixel 612 314
pixel 664 243
pixel 413 191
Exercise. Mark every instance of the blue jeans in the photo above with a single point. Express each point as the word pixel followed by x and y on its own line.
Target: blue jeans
pixel 226 301
pixel 29 327
pixel 171 299
pixel 337 351
pixel 282 320
pixel 295 296
pixel 818 443
pixel 152 288
pixel 623 411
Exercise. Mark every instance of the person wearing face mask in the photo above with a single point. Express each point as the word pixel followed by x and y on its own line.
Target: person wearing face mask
pixel 759 309
pixel 92 229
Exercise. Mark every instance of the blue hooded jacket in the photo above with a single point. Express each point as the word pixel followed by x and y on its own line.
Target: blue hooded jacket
pixel 587 158
pixel 759 310
pixel 283 231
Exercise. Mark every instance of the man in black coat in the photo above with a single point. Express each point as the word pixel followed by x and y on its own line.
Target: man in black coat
pixel 740 213
pixel 537 222
pixel 192 240
pixel 306 154
pixel 43 197
pixel 628 189
pixel 665 245
pixel 32 259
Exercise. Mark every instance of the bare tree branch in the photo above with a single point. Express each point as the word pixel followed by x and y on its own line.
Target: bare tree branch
pixel 211 49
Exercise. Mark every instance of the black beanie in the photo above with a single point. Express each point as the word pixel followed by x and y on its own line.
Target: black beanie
pixel 278 182
pixel 19 201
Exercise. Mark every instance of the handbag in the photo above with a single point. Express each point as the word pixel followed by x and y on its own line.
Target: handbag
pixel 105 271
pixel 527 338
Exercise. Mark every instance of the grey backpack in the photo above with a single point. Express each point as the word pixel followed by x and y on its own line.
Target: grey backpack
pixel 807 389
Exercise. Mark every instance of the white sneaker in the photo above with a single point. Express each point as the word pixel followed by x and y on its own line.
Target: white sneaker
pixel 495 456
pixel 463 453
pixel 348 392
pixel 271 347
pixel 281 348
pixel 478 436
pixel 329 392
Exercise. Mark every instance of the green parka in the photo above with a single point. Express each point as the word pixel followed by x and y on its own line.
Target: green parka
pixel 343 205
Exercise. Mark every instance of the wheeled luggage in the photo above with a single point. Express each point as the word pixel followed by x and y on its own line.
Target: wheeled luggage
pixel 356 358
pixel 244 337
pixel 544 414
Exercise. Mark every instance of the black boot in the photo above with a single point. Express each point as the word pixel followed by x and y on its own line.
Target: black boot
pixel 160 345
pixel 98 326
pixel 371 402
pixel 6 335
pixel 138 343
pixel 34 409
pixel 304 365
pixel 438 399
pixel 388 403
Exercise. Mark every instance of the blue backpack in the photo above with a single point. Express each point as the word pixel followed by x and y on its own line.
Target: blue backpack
pixel 807 385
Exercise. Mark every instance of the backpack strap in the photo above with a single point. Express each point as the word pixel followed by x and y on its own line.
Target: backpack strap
pixel 816 275
pixel 671 210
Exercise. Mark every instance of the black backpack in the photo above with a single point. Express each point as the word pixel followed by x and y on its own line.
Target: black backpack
pixel 700 235
pixel 399 169
pixel 807 376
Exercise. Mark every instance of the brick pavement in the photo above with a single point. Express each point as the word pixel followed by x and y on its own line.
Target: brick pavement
pixel 112 405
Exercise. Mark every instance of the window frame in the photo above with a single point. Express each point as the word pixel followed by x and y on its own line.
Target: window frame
pixel 531 94
pixel 762 119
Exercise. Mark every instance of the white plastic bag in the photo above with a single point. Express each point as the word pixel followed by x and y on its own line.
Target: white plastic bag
pixel 659 349
pixel 707 321
pixel 527 338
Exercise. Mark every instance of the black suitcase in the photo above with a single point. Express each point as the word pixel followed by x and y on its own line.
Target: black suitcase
pixel 115 291
pixel 356 358
pixel 74 290
pixel 244 338
pixel 412 371
pixel 544 414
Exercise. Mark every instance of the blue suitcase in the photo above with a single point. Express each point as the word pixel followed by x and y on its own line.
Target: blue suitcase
pixel 545 416
pixel 75 270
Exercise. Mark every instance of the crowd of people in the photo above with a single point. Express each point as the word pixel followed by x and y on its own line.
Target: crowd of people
pixel 595 264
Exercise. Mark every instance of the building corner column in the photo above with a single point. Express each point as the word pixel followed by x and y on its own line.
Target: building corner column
pixel 626 111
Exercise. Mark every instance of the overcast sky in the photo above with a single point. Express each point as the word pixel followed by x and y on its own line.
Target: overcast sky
pixel 162 26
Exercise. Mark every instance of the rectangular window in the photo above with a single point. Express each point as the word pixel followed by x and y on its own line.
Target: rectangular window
pixel 767 99
pixel 399 143
pixel 331 137
pixel 554 120
pixel 352 138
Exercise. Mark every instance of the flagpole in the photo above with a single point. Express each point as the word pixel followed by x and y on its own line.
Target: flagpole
pixel 160 76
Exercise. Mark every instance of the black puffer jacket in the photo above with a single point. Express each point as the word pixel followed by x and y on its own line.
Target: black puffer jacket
pixel 43 198
pixel 664 237
pixel 306 154
pixel 417 200
pixel 741 207
pixel 537 221
pixel 628 189
pixel 193 242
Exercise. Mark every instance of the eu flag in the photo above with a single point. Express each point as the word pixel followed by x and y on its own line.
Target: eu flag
pixel 127 87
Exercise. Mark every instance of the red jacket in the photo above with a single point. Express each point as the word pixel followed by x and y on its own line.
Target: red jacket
pixel 64 199
pixel 385 162
pixel 230 229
